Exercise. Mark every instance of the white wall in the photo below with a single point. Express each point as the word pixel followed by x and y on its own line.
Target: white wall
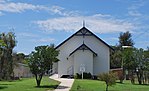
pixel 55 67
pixel 83 57
pixel 100 63
pixel 65 51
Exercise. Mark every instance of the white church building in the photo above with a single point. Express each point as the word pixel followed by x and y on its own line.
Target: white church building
pixel 83 51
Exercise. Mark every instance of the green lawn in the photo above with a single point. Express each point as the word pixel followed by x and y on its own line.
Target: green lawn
pixel 95 85
pixel 28 84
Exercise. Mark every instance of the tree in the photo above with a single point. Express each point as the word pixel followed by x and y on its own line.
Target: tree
pixel 2 45
pixel 6 62
pixel 109 78
pixel 116 57
pixel 127 61
pixel 146 53
pixel 41 60
pixel 125 39
pixel 142 65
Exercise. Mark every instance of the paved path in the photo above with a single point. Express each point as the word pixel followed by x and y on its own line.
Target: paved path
pixel 65 84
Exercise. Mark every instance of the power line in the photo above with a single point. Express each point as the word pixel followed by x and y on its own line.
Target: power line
pixel 140 35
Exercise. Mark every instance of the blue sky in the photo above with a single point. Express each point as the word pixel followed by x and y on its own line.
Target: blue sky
pixel 41 22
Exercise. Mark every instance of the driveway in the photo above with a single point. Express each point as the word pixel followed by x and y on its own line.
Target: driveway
pixel 65 84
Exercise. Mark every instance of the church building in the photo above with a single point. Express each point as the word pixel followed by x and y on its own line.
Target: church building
pixel 83 51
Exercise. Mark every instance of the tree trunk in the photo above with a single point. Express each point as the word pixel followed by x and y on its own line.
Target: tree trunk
pixel 38 79
pixel 132 78
pixel 38 83
pixel 106 87
pixel 139 78
pixel 123 76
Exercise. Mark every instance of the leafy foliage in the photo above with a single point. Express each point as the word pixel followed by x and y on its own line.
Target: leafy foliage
pixel 41 60
pixel 125 39
pixel 109 78
pixel 85 75
pixel 7 43
pixel 116 58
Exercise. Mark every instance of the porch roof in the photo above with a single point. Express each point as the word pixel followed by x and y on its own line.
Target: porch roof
pixel 83 47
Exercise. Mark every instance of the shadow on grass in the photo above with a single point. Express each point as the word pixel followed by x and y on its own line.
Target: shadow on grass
pixel 62 87
pixel 47 86
pixel 120 82
pixel 5 84
pixel 142 84
pixel 3 87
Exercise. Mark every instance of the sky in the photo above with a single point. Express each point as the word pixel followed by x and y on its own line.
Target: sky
pixel 42 22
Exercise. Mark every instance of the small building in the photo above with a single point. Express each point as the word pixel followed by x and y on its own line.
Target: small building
pixel 83 51
pixel 22 70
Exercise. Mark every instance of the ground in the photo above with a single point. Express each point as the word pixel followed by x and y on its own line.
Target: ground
pixel 95 85
pixel 28 84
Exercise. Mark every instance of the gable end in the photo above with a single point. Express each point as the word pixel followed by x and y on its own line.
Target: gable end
pixel 83 47
pixel 85 32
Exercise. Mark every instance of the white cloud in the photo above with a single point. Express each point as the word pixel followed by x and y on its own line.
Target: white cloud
pixel 46 40
pixel 43 40
pixel 21 7
pixel 27 35
pixel 62 11
pixel 143 43
pixel 133 9
pixel 2 1
pixel 97 23
pixel 134 13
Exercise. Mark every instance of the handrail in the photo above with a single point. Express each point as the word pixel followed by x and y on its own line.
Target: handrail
pixel 70 70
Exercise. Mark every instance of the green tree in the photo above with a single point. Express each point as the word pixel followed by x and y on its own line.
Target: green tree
pixel 125 39
pixel 116 57
pixel 128 59
pixel 2 45
pixel 142 64
pixel 41 60
pixel 6 62
pixel 109 78
pixel 127 54
pixel 146 53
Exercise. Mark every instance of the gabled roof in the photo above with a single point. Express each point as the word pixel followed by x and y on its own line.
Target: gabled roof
pixel 83 47
pixel 84 33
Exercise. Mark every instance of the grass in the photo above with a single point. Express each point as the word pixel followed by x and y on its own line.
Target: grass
pixel 28 84
pixel 95 85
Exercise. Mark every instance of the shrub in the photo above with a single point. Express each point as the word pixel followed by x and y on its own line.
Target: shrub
pixel 77 76
pixel 109 78
pixel 94 77
pixel 85 76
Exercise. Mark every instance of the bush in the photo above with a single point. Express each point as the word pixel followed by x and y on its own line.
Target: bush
pixel 94 77
pixel 85 76
pixel 77 76
pixel 109 78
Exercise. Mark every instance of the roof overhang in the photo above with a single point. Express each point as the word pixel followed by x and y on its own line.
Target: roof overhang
pixel 84 28
pixel 83 47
